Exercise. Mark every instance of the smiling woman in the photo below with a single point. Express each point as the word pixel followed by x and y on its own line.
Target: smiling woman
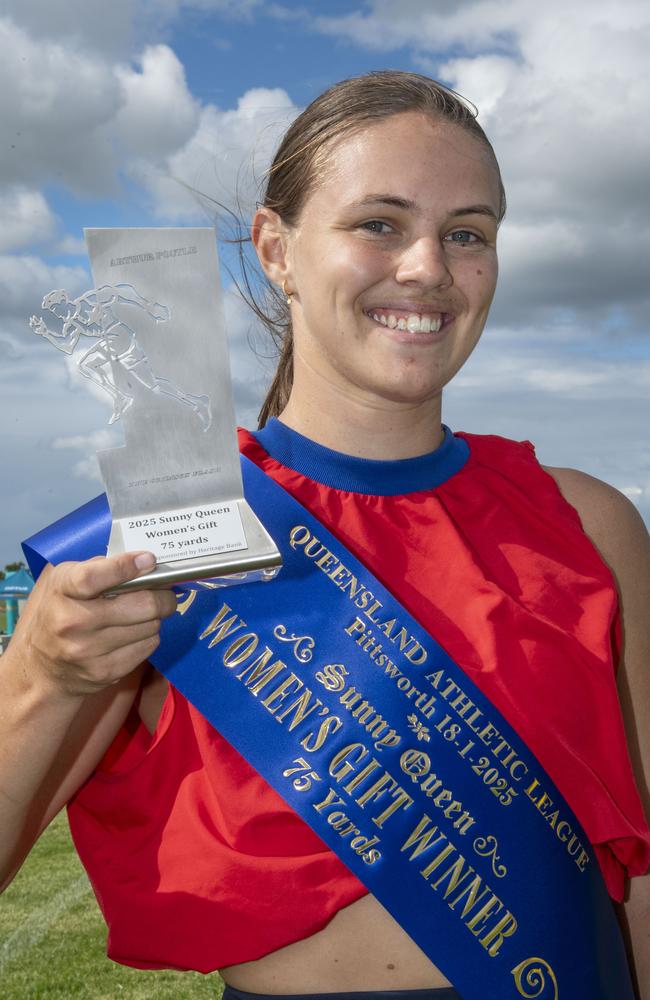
pixel 453 791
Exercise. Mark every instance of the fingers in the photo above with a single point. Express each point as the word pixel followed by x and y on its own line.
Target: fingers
pixel 139 607
pixel 124 610
pixel 119 637
pixel 116 663
pixel 86 580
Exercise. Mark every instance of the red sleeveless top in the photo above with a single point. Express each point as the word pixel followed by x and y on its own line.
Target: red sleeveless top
pixel 198 864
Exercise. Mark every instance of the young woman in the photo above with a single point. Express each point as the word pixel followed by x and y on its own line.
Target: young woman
pixel 380 225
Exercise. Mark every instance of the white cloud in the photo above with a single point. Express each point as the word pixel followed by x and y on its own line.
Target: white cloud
pixel 224 161
pixel 26 219
pixel 488 78
pixel 510 364
pixel 158 114
pixel 72 246
pixel 57 104
pixel 75 118
pixel 494 26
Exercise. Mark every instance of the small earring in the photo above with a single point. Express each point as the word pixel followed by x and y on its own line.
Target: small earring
pixel 287 295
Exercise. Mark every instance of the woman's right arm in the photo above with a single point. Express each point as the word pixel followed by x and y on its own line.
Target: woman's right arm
pixel 67 682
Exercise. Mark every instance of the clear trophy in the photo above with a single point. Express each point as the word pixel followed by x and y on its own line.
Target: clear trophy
pixel 151 334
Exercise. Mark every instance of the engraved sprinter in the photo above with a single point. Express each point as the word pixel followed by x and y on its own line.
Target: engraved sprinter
pixel 117 359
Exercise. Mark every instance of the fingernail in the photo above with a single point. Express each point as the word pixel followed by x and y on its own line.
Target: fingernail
pixel 146 560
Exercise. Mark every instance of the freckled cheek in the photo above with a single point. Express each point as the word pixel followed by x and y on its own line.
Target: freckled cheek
pixel 478 281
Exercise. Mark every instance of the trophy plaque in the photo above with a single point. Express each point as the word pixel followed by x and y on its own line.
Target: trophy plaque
pixel 151 335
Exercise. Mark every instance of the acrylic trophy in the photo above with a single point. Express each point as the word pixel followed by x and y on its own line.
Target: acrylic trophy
pixel 151 334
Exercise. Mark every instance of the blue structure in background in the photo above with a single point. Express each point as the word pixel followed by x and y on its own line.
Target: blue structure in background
pixel 14 587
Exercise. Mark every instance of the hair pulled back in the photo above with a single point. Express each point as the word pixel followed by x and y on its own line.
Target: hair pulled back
pixel 341 110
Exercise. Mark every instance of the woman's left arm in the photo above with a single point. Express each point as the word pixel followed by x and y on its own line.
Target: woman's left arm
pixel 618 532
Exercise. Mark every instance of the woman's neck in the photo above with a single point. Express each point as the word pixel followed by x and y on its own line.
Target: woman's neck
pixel 367 429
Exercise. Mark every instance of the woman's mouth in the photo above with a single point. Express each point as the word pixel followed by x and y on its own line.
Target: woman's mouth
pixel 414 322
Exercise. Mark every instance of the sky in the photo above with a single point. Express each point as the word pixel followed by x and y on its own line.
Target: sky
pixel 111 114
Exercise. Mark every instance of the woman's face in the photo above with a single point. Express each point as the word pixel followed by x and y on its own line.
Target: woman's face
pixel 393 260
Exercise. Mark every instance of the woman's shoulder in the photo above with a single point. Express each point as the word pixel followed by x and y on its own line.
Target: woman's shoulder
pixel 608 517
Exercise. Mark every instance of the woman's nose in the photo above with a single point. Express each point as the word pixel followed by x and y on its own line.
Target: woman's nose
pixel 424 262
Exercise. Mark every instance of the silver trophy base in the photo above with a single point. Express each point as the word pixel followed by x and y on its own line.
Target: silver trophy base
pixel 260 560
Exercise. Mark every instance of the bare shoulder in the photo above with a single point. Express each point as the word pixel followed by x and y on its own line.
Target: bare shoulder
pixel 610 520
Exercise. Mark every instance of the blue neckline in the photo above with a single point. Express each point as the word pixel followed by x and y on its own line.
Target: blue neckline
pixel 363 475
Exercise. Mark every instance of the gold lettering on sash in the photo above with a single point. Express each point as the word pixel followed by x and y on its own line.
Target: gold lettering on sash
pixel 359 778
pixel 437 861
pixel 186 601
pixel 314 741
pixel 301 538
pixel 289 685
pixel 221 625
pixel 301 708
pixel 401 800
pixel 560 827
pixel 336 574
pixel 332 677
pixel 259 674
pixel 361 844
pixel 459 882
pixel 422 838
pixel 240 650
pixel 494 938
pixel 340 772
pixel 332 798
pixel 299 535
pixel 377 790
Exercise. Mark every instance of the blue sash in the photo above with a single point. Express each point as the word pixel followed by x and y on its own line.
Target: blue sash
pixel 381 743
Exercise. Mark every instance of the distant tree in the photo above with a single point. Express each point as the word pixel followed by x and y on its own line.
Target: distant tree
pixel 14 567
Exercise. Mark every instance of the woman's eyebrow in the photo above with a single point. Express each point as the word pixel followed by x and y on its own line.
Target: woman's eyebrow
pixel 405 203
pixel 475 210
pixel 386 199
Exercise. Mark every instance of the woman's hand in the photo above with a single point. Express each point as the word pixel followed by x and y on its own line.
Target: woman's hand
pixel 78 641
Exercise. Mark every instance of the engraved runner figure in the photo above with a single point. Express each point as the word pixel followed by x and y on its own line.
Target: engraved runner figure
pixel 117 358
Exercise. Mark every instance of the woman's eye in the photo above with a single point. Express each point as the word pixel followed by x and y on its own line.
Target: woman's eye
pixel 464 237
pixel 376 226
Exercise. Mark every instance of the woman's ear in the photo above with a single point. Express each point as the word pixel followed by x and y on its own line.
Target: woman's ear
pixel 270 239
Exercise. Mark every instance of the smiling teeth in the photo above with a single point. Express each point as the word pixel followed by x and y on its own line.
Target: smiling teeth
pixel 414 323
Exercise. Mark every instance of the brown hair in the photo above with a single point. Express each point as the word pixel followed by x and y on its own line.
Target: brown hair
pixel 342 109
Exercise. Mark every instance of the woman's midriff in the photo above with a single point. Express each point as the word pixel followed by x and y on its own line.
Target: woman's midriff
pixel 362 948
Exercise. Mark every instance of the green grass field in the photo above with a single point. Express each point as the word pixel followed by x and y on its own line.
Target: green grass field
pixel 52 938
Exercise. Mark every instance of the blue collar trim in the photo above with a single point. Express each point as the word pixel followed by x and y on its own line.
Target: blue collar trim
pixel 362 475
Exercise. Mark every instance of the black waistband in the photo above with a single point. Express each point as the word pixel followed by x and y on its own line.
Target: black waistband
pixel 444 993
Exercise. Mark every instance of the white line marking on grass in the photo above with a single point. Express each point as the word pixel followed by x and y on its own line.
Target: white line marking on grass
pixel 39 922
